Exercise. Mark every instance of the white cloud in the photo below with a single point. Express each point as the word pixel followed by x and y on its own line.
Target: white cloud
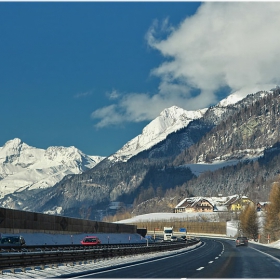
pixel 225 44
pixel 114 94
pixel 133 107
pixel 109 116
pixel 231 44
pixel 83 94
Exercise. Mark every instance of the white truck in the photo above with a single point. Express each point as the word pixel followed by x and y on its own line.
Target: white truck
pixel 167 233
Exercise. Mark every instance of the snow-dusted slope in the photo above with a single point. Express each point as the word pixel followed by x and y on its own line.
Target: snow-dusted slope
pixel 169 120
pixel 241 94
pixel 23 166
pixel 173 119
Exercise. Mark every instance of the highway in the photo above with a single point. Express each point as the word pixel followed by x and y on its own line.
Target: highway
pixel 215 258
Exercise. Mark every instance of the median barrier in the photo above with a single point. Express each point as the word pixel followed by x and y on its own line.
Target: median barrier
pixel 32 256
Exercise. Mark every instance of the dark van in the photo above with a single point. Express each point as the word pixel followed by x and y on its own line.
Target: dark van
pixel 241 241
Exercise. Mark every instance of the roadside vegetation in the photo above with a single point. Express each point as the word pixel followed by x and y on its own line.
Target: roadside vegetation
pixel 272 224
pixel 249 222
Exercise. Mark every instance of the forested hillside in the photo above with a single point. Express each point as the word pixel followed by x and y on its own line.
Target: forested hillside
pixel 156 179
pixel 252 131
pixel 244 134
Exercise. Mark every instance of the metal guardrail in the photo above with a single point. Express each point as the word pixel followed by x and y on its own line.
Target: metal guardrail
pixel 52 255
pixel 31 248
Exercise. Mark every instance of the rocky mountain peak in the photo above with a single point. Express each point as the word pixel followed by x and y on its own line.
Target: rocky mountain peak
pixel 13 146
pixel 59 152
pixel 169 120
pixel 25 167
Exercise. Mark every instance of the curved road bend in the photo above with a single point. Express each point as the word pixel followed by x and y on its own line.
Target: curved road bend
pixel 215 258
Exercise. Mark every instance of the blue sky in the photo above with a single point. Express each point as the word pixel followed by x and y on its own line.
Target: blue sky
pixel 93 74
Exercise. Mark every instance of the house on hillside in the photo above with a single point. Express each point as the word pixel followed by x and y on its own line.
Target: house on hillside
pixel 237 202
pixel 215 204
pixel 194 204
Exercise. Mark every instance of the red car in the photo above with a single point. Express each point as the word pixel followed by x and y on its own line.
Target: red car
pixel 91 240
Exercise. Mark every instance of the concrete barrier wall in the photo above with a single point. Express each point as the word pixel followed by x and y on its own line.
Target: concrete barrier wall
pixel 15 221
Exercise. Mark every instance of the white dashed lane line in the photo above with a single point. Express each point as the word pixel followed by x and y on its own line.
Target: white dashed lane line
pixel 200 268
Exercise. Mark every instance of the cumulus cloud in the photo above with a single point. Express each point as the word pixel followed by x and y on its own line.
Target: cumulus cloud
pixel 231 45
pixel 135 107
pixel 109 115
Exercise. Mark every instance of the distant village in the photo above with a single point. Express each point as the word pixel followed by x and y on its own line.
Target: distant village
pixel 208 204
pixel 217 204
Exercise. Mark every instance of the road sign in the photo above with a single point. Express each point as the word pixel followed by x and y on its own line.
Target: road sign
pixel 182 230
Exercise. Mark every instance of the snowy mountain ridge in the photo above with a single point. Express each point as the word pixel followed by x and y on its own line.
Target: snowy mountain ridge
pixel 23 167
pixel 170 120
pixel 26 167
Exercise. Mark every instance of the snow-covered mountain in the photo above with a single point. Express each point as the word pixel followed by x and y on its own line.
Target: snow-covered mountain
pixel 26 167
pixel 176 137
pixel 170 120
pixel 173 119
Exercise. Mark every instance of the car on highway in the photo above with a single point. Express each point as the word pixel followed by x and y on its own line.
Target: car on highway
pixel 90 240
pixel 183 237
pixel 241 241
pixel 173 238
pixel 12 241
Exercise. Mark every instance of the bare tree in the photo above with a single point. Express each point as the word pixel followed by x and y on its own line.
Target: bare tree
pixel 249 221
pixel 272 224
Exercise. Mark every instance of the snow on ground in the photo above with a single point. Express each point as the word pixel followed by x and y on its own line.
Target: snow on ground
pixel 117 238
pixel 112 238
pixel 199 168
pixel 232 228
pixel 63 270
pixel 210 216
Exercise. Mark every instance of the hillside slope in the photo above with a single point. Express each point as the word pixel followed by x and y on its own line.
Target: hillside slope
pixel 238 131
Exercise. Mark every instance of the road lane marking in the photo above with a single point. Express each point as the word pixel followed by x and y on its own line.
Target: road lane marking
pixel 274 258
pixel 200 268
pixel 216 258
pixel 210 261
pixel 124 266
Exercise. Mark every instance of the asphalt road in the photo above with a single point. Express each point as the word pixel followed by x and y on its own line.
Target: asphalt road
pixel 215 258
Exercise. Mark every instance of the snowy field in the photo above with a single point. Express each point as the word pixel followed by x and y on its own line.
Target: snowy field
pixel 210 216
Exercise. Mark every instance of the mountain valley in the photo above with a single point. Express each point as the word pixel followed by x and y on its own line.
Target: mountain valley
pixel 153 171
